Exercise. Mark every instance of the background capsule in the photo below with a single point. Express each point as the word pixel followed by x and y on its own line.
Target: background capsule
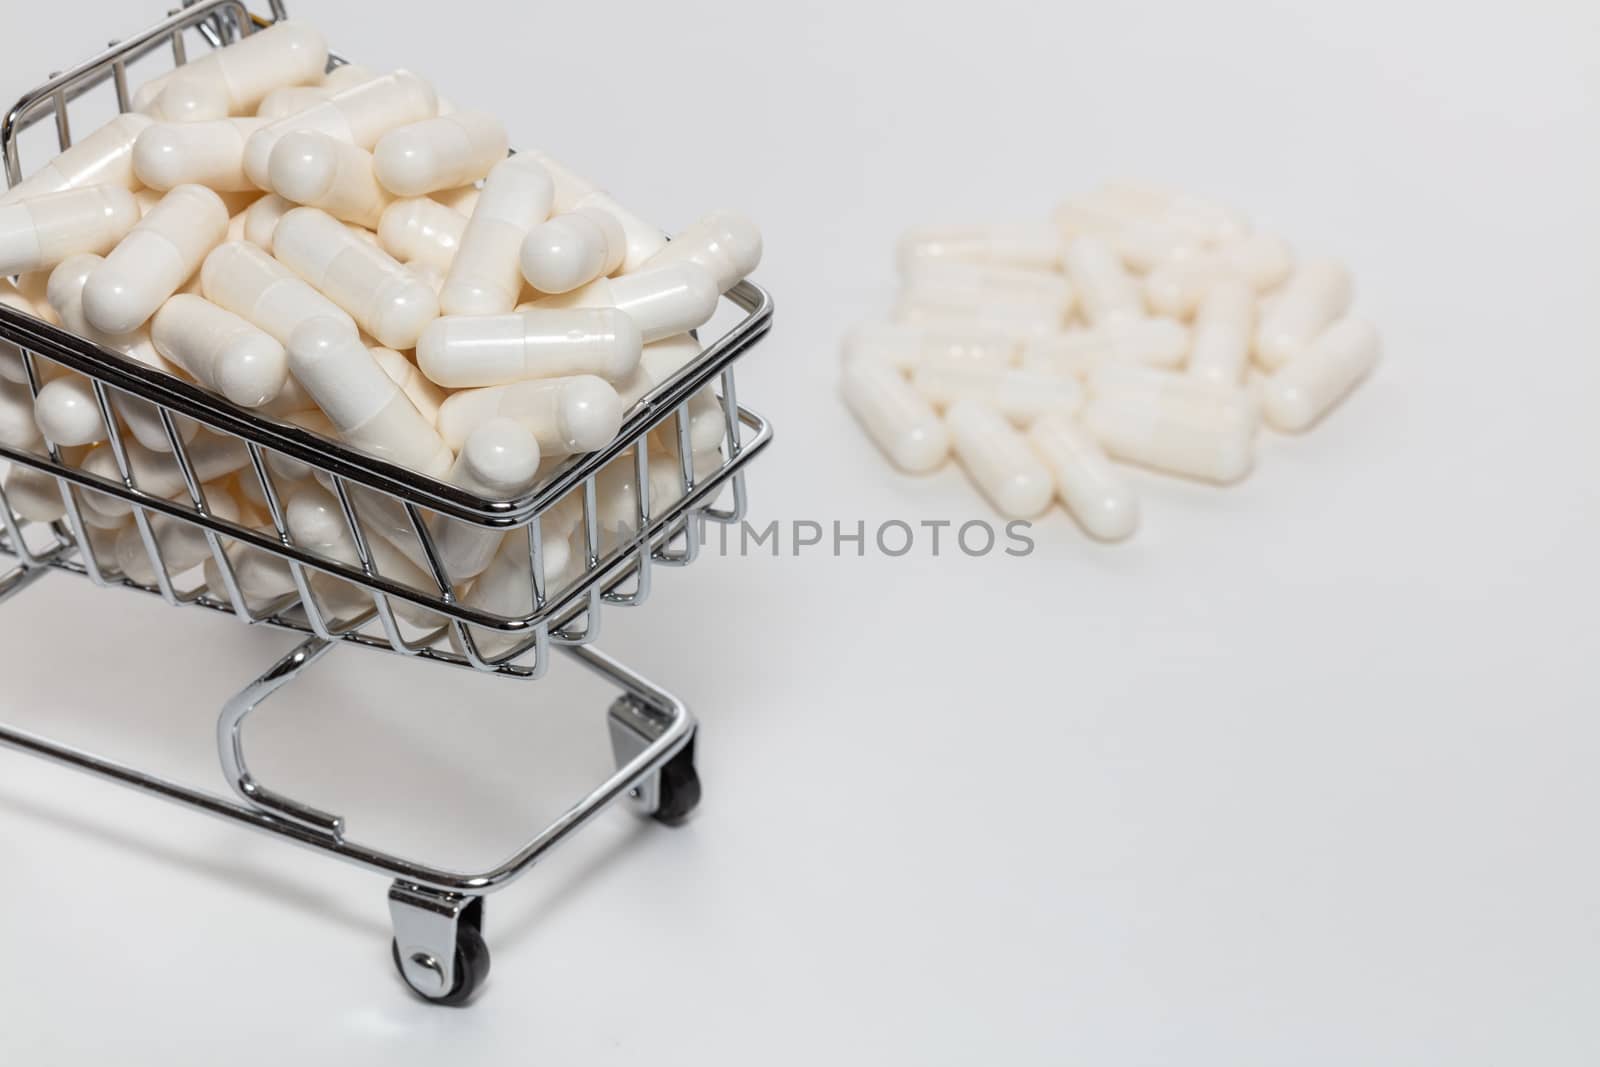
pixel 998 460
pixel 898 419
pixel 1317 293
pixel 1306 388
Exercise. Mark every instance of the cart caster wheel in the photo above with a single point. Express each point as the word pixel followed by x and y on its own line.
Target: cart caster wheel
pixel 680 787
pixel 472 968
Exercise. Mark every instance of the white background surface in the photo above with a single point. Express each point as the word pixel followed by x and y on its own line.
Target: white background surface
pixel 1304 774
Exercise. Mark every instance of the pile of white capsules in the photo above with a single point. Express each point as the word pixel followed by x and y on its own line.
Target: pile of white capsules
pixel 338 250
pixel 1141 324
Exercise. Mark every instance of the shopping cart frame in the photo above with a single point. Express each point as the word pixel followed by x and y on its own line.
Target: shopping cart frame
pixel 437 913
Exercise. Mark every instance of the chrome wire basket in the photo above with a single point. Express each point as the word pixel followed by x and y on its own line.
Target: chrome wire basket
pixel 422 614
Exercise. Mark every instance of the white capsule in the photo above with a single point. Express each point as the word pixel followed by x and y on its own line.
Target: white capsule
pixel 17 427
pixel 1106 292
pixel 211 457
pixel 445 152
pixel 1262 259
pixel 1314 296
pixel 67 413
pixel 247 281
pixel 570 187
pixel 189 99
pixel 938 305
pixel 1306 388
pixel 11 367
pixel 345 75
pixel 725 243
pixel 462 200
pixel 422 231
pixel 262 217
pixel 363 403
pixel 1021 396
pixel 498 460
pixel 360 114
pixel 1155 342
pixel 169 154
pixel 1105 213
pixel 286 53
pixel 262 578
pixel 423 394
pixel 1036 247
pixel 707 427
pixel 428 274
pixel 37 234
pixel 485 278
pixel 1176 289
pixel 1146 244
pixel 1167 430
pixel 571 250
pixel 182 544
pixel 1222 332
pixel 659 362
pixel 312 421
pixel 644 239
pixel 1113 379
pixel 1002 282
pixel 663 302
pixel 499 349
pixel 220 350
pixel 1206 220
pixel 33 494
pixel 155 259
pixel 899 421
pixel 1085 481
pixel 617 495
pixel 998 460
pixel 235 233
pixel 904 346
pixel 566 415
pixel 384 298
pixel 317 523
pixel 506 587
pixel 324 172
pixel 290 100
pixel 65 291
pixel 104 157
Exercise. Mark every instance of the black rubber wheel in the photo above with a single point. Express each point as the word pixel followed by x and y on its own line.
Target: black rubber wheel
pixel 472 967
pixel 680 787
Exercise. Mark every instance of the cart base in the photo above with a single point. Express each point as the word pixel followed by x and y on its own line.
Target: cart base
pixel 438 946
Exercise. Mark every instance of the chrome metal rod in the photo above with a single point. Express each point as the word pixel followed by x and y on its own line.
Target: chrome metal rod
pixel 677 734
pixel 230 742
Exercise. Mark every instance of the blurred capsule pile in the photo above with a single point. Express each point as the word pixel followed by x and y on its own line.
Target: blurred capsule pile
pixel 1141 325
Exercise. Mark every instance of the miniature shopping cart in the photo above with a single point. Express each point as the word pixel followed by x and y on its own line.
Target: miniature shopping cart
pixel 437 914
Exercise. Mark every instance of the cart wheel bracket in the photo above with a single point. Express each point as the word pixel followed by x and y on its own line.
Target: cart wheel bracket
pixel 438 942
pixel 670 792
